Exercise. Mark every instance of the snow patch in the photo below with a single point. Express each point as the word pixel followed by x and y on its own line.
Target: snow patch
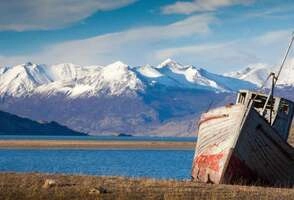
pixel 149 71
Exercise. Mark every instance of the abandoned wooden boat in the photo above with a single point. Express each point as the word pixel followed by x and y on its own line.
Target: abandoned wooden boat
pixel 236 142
pixel 246 141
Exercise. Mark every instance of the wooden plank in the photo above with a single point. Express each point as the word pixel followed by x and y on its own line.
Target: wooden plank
pixel 264 152
pixel 218 131
pixel 291 137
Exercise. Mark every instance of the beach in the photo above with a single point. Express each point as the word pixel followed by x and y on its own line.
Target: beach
pixel 90 144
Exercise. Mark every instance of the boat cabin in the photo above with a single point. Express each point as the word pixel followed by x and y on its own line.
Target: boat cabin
pixel 278 112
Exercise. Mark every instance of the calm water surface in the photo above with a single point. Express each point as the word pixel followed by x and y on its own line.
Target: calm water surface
pixel 160 164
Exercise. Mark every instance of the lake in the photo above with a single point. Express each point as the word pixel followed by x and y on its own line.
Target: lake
pixel 159 164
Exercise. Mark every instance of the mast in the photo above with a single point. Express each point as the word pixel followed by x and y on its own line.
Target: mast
pixel 274 81
pixel 284 60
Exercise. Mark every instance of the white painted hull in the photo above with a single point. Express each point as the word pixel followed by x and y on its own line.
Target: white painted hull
pixel 235 143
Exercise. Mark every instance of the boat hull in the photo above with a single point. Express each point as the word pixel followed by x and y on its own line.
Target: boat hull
pixel 216 137
pixel 235 144
pixel 264 152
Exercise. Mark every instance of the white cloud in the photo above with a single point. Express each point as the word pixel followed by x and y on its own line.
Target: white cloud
pixel 133 46
pixel 266 48
pixel 21 15
pixel 188 7
pixel 273 37
pixel 275 10
pixel 154 44
pixel 209 55
pixel 12 60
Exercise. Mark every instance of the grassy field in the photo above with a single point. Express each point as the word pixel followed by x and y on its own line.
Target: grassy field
pixel 31 186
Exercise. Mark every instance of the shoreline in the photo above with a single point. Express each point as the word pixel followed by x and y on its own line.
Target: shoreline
pixel 90 144
pixel 61 186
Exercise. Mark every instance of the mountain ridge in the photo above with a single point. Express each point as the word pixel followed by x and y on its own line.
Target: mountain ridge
pixel 258 73
pixel 113 79
pixel 162 100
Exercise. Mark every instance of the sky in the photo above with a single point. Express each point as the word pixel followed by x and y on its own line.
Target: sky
pixel 218 35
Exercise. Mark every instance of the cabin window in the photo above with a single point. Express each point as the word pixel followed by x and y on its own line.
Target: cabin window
pixel 284 108
pixel 242 97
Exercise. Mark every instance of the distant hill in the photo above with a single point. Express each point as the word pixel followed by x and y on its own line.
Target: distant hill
pixel 13 125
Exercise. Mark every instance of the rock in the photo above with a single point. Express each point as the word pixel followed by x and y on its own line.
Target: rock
pixel 94 191
pixel 49 183
pixel 124 135
pixel 100 190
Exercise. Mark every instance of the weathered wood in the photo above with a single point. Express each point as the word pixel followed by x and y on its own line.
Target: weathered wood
pixel 291 137
pixel 217 133
pixel 237 143
pixel 261 150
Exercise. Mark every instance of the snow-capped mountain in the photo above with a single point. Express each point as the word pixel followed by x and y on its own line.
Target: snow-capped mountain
pixel 286 78
pixel 22 79
pixel 163 99
pixel 258 73
pixel 114 79
pixel 173 74
pixel 68 79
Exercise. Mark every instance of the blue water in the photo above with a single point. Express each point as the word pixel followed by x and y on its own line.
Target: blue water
pixel 159 164
pixel 103 138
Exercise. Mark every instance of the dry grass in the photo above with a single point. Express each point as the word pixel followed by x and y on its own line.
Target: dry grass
pixel 29 186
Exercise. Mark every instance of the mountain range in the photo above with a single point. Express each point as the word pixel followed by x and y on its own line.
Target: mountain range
pixel 163 100
pixel 258 73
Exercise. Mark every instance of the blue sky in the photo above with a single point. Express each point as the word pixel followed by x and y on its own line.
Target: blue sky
pixel 219 35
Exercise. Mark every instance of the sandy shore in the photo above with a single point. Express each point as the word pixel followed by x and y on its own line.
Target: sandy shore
pixel 34 186
pixel 90 144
